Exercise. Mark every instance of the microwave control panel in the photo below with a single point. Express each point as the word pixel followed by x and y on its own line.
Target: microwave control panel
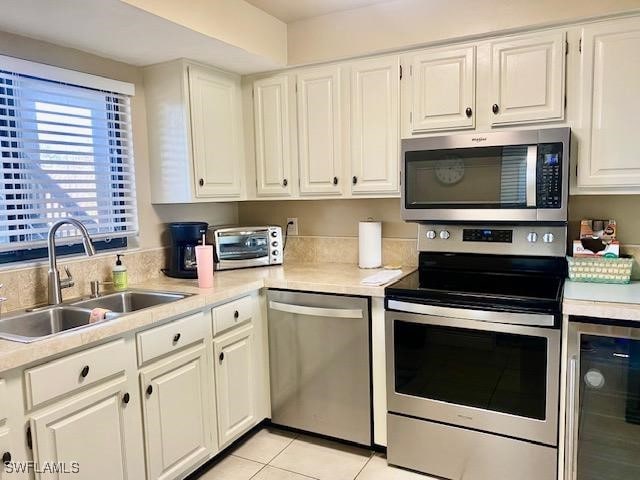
pixel 549 184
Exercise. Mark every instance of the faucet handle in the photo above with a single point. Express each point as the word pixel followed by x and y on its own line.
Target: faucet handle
pixel 67 282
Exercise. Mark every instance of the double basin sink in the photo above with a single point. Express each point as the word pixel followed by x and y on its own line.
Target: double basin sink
pixel 38 324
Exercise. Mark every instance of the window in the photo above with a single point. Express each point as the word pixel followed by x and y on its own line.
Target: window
pixel 66 152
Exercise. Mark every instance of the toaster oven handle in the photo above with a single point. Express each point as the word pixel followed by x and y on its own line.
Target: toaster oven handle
pixel 316 311
pixel 532 174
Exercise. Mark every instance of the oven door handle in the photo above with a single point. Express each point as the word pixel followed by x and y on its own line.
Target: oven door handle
pixel 532 175
pixel 316 311
pixel 529 319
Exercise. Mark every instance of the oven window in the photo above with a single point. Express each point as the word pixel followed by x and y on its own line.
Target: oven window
pixel 480 177
pixel 243 247
pixel 495 371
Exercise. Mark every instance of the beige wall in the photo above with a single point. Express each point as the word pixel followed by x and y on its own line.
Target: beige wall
pixel 405 23
pixel 151 217
pixel 330 218
pixel 340 218
pixel 235 22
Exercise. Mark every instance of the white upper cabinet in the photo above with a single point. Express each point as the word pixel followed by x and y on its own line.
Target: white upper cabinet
pixel 216 127
pixel 272 136
pixel 442 89
pixel 319 131
pixel 375 125
pixel 610 101
pixel 527 78
pixel 194 118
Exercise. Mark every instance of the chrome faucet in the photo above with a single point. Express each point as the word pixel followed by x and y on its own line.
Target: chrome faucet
pixel 55 284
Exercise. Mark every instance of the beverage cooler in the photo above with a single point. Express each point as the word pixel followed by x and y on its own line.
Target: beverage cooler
pixel 603 398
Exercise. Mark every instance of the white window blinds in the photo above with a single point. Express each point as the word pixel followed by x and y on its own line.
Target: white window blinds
pixel 66 152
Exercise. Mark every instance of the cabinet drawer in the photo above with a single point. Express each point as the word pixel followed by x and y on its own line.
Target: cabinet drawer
pixel 63 376
pixel 171 337
pixel 231 314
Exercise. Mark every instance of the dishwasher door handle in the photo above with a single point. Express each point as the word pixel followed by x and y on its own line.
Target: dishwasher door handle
pixel 316 311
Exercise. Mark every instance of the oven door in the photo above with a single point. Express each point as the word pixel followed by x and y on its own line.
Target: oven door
pixel 237 248
pixel 495 377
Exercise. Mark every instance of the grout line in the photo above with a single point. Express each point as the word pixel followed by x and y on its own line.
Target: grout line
pixel 292 471
pixel 262 468
pixel 372 454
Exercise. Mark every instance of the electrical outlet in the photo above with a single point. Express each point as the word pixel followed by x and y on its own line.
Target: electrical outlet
pixel 292 225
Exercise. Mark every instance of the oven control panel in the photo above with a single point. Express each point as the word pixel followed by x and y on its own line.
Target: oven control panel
pixel 487 235
pixel 541 240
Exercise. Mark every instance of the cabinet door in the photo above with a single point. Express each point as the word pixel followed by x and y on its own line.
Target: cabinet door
pixel 272 136
pixel 608 150
pixel 177 413
pixel 234 384
pixel 214 101
pixel 90 434
pixel 375 120
pixel 319 131
pixel 527 79
pixel 443 89
pixel 5 448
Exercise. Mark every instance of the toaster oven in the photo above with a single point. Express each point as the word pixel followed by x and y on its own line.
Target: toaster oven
pixel 242 247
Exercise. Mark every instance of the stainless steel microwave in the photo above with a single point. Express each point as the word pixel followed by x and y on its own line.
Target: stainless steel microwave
pixel 510 176
pixel 242 247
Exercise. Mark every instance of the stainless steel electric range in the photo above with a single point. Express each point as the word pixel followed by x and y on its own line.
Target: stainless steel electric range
pixel 473 353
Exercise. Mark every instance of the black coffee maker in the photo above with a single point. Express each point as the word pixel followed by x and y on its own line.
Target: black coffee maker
pixel 185 237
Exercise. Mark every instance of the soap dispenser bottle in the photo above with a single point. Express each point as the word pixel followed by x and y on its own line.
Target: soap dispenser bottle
pixel 120 278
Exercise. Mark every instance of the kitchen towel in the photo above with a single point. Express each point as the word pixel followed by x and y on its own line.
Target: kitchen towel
pixel 370 244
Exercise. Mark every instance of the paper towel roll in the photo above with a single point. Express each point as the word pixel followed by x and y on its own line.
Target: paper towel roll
pixel 370 244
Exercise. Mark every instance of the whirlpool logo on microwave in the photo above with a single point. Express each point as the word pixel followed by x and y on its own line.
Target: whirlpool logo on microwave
pixel 478 139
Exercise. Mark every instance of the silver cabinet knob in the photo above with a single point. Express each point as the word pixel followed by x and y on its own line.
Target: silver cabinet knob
pixel 532 237
pixel 444 234
pixel 431 234
pixel 547 238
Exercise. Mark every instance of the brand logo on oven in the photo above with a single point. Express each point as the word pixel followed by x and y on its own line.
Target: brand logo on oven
pixel 478 139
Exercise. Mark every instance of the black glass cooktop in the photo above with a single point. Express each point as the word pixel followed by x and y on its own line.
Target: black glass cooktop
pixel 527 284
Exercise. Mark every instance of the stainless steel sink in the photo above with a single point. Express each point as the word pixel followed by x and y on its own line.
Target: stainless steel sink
pixel 130 300
pixel 31 326
pixel 28 327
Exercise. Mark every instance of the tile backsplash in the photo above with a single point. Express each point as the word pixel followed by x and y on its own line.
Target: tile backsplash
pixel 395 251
pixel 27 286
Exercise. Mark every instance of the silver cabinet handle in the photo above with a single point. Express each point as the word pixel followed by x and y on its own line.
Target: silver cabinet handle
pixel 569 459
pixel 316 311
pixel 532 173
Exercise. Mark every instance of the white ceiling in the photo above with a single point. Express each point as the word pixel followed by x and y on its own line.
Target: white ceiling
pixel 116 30
pixel 292 10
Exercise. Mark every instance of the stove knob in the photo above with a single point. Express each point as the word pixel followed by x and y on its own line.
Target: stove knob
pixel 444 234
pixel 532 237
pixel 431 234
pixel 547 238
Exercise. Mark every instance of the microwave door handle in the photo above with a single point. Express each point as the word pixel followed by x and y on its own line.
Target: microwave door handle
pixel 532 172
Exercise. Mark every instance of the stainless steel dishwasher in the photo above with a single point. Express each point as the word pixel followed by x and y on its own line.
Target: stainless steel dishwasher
pixel 320 364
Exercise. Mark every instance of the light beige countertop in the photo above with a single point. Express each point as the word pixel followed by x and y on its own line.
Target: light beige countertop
pixel 312 277
pixel 602 300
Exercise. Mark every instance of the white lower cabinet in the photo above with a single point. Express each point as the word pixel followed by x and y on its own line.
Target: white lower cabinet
pixel 5 451
pixel 177 413
pixel 235 383
pixel 94 435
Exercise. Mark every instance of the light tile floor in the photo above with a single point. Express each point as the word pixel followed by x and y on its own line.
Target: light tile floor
pixel 273 454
